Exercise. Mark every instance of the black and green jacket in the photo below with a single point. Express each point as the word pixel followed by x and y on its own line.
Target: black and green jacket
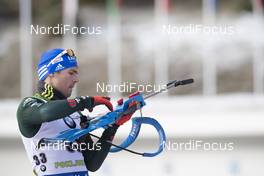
pixel 47 105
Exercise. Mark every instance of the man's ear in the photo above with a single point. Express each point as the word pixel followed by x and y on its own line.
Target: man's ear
pixel 49 78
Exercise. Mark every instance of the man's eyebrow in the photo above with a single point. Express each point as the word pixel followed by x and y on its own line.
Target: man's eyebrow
pixel 75 71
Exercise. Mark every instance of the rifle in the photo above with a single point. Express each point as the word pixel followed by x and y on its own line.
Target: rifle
pixel 122 109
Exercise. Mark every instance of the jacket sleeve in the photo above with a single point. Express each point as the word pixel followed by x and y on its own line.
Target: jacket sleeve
pixel 36 111
pixel 94 158
pixel 32 112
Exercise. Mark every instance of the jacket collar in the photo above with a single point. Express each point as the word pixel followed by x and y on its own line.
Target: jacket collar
pixel 48 93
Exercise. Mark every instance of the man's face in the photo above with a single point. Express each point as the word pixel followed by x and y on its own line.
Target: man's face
pixel 65 80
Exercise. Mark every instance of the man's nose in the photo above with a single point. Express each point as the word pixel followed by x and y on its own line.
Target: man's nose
pixel 76 78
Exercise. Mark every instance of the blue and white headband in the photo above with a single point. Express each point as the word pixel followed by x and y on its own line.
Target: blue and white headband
pixel 55 60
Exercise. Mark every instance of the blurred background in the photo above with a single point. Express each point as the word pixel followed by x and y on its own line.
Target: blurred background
pixel 149 42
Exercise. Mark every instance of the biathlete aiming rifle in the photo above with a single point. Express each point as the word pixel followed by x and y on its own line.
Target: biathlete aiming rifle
pixel 123 108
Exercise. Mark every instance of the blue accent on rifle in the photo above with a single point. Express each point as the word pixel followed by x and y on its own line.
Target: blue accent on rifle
pixel 110 118
pixel 136 126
